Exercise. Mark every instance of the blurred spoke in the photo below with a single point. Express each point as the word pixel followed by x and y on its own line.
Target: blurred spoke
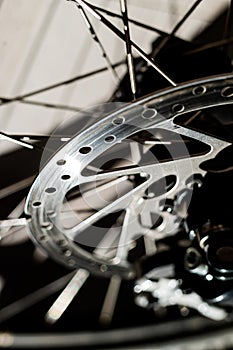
pixel 65 298
pixel 215 44
pixel 31 299
pixel 18 186
pixel 110 300
pixel 228 23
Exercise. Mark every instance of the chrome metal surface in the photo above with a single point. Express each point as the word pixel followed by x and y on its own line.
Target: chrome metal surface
pixel 168 293
pixel 66 170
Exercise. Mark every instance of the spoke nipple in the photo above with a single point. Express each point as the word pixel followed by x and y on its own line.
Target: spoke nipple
pixel 103 268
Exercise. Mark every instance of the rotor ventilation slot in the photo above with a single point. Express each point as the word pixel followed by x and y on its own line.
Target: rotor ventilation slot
pixel 50 190
pixel 65 177
pixel 43 238
pixel 227 91
pixel 199 90
pixel 178 108
pixel 61 162
pixel 85 150
pixel 118 121
pixel 47 225
pixel 36 204
pixel 110 139
pixel 149 113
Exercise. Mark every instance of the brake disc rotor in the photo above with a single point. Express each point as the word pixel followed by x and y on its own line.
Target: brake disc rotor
pixel 66 171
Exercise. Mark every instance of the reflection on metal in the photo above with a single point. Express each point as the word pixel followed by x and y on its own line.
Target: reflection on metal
pixel 4 136
pixel 166 292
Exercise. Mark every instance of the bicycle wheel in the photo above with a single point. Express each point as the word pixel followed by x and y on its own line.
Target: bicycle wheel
pixel 129 222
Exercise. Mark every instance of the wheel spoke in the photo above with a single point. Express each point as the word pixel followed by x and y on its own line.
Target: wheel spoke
pixel 216 144
pixel 107 246
pixel 31 299
pixel 122 250
pixel 124 12
pixel 94 36
pixel 12 226
pixel 62 138
pixel 150 246
pixel 156 169
pixel 111 174
pixel 4 136
pixel 17 186
pixel 49 105
pixel 117 205
pixel 135 151
pixel 121 35
pixel 130 228
pixel 5 101
pixel 110 300
pixel 13 223
pixel 176 28
pixel 137 23
pixel 9 226
pixel 228 23
pixel 215 44
pixel 23 143
pixel 66 297
pixel 83 196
